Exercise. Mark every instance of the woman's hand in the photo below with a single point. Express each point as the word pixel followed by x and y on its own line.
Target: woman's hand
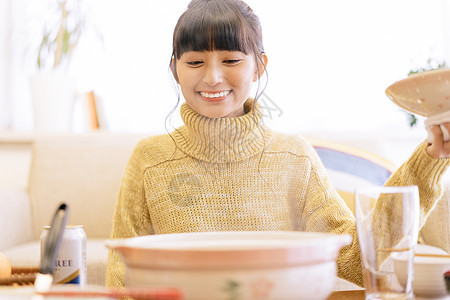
pixel 439 148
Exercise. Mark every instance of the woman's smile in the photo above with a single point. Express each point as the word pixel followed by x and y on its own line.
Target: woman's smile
pixel 215 96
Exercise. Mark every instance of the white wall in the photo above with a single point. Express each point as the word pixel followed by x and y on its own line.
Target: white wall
pixel 330 70
pixel 329 61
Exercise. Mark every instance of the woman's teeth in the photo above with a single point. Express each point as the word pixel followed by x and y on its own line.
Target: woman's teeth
pixel 215 95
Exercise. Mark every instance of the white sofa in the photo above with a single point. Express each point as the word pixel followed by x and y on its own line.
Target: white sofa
pixel 85 171
pixel 82 170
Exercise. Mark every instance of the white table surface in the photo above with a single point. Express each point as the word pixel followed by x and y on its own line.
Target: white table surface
pixel 27 293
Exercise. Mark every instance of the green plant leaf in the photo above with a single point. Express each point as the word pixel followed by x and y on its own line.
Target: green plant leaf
pixel 44 43
pixel 65 45
pixel 412 120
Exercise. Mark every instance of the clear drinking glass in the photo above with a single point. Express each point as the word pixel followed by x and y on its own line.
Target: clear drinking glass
pixel 387 221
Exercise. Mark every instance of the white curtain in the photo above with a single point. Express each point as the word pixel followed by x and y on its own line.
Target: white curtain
pixel 5 54
pixel 15 67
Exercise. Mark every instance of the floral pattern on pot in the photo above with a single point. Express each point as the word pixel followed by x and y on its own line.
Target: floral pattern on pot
pixel 260 289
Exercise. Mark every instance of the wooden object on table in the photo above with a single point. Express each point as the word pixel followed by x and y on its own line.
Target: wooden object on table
pixel 347 295
pixel 92 111
pixel 432 255
pixel 21 276
pixel 415 254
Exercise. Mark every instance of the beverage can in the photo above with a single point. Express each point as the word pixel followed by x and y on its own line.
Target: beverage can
pixel 70 264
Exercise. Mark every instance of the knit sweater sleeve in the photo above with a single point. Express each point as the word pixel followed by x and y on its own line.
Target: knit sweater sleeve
pixel 421 170
pixel 131 217
pixel 426 172
pixel 325 210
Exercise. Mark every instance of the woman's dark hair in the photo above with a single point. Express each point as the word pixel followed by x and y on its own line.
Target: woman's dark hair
pixel 209 25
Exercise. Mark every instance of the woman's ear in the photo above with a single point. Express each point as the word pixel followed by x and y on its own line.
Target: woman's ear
pixel 173 67
pixel 262 64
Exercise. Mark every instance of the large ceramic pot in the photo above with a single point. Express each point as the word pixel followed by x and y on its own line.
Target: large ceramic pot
pixel 235 265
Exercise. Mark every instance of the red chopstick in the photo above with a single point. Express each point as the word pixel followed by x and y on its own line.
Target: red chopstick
pixel 137 293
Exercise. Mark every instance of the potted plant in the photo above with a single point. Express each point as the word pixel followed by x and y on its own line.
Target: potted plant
pixel 53 90
pixel 61 37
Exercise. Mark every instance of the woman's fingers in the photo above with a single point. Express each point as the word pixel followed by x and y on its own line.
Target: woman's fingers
pixel 439 148
pixel 447 126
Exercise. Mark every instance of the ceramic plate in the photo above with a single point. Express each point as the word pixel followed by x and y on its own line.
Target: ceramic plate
pixel 425 94
pixel 428 273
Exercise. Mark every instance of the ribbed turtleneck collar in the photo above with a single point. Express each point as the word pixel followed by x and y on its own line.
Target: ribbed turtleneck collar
pixel 222 140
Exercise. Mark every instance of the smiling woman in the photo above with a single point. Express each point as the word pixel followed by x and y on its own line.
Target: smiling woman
pixel 338 55
pixel 216 83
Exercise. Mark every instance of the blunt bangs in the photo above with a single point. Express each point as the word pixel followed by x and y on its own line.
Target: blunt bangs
pixel 224 29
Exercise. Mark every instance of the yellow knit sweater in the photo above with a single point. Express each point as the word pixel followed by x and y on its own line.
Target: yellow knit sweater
pixel 232 174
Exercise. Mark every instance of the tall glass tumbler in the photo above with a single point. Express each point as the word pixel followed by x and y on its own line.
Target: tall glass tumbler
pixel 387 220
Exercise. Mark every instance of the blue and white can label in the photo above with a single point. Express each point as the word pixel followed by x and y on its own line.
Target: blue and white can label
pixel 70 264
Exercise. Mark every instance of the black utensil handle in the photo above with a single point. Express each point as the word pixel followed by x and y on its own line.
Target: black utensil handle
pixel 53 241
